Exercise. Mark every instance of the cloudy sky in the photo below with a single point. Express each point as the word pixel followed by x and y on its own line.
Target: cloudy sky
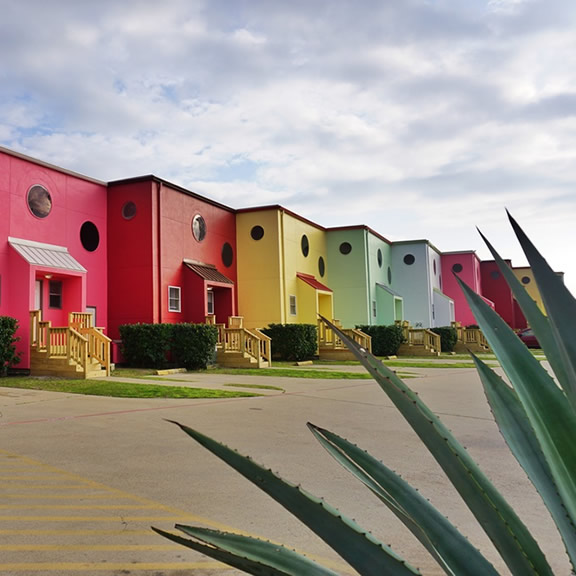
pixel 419 118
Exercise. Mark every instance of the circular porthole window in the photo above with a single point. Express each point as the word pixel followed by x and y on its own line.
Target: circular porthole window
pixel 457 268
pixel 526 279
pixel 257 233
pixel 128 210
pixel 434 266
pixel 389 275
pixel 495 274
pixel 39 201
pixel 227 255
pixel 198 228
pixel 345 248
pixel 409 259
pixel 305 245
pixel 89 236
pixel 379 258
pixel 321 267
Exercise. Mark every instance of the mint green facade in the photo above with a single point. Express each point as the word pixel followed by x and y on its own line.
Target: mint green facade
pixel 359 272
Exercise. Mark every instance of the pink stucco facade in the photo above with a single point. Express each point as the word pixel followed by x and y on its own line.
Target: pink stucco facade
pixel 67 237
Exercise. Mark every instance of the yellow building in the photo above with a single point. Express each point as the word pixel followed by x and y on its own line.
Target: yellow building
pixel 281 266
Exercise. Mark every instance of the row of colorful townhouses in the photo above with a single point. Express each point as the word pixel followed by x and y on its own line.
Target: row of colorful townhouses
pixel 145 250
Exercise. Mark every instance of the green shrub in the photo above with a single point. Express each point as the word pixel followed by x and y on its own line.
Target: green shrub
pixel 293 342
pixel 448 337
pixel 146 345
pixel 8 339
pixel 194 345
pixel 386 340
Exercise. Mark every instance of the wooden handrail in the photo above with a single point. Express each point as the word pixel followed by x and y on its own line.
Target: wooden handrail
pixel 78 343
pixel 252 342
pixel 327 338
pixel 424 338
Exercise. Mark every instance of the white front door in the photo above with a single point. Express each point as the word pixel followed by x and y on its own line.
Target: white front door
pixel 38 295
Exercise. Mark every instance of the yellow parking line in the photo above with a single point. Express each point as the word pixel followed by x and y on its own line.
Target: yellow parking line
pixel 94 547
pixel 95 531
pixel 107 566
pixel 81 507
pixel 123 519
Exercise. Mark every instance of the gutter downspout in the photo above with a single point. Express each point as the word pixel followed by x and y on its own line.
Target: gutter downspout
pixel 159 247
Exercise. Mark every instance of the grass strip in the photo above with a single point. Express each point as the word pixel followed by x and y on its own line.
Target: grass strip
pixel 256 386
pixel 118 389
pixel 293 373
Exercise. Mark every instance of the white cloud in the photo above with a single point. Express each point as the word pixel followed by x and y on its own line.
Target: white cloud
pixel 420 119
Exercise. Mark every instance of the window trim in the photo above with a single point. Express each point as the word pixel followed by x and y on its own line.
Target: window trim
pixel 174 302
pixel 210 301
pixel 293 306
pixel 55 293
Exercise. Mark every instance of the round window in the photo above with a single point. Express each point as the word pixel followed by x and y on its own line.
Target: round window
pixel 457 268
pixel 128 210
pixel 89 236
pixel 389 275
pixel 257 233
pixel 495 274
pixel 305 245
pixel 409 259
pixel 434 266
pixel 321 267
pixel 345 248
pixel 39 201
pixel 379 257
pixel 227 255
pixel 198 228
pixel 526 279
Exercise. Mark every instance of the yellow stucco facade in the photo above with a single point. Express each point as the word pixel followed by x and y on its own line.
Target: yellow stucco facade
pixel 274 246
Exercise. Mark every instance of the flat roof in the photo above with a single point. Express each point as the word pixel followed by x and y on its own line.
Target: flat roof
pixel 21 156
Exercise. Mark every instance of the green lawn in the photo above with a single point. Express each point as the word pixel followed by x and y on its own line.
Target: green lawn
pixel 117 389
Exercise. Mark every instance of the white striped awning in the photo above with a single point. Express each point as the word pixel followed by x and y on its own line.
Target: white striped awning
pixel 48 255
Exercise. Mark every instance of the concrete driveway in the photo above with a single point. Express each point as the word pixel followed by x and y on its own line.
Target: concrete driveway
pixel 83 478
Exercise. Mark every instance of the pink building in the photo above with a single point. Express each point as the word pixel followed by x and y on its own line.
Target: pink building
pixel 53 244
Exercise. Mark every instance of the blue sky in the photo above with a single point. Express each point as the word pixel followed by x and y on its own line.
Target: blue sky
pixel 421 119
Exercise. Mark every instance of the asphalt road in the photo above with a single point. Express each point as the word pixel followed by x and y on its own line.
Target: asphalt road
pixel 82 479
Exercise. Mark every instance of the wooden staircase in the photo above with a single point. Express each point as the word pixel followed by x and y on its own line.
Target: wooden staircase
pixel 419 341
pixel 331 347
pixel 78 350
pixel 470 340
pixel 239 347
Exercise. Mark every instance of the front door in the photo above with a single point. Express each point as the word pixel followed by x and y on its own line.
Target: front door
pixel 38 295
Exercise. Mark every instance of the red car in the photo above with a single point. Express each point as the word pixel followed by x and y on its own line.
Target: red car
pixel 527 336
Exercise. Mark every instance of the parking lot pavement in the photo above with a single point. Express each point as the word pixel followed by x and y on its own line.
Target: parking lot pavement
pixel 83 478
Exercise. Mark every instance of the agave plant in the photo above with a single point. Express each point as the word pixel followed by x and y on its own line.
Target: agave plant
pixel 536 414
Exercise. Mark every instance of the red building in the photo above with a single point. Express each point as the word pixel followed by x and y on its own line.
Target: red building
pixel 171 255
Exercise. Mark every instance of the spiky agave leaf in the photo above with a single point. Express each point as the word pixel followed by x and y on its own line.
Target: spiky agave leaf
pixel 360 549
pixel 251 555
pixel 536 319
pixel 446 544
pixel 521 439
pixel 516 545
pixel 560 307
pixel 546 407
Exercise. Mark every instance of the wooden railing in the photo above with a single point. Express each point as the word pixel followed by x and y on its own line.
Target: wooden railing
pixel 472 338
pixel 424 338
pixel 80 343
pixel 327 338
pixel 251 342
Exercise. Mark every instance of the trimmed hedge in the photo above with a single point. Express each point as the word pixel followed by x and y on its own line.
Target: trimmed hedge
pixel 448 337
pixel 194 345
pixel 8 339
pixel 386 340
pixel 156 346
pixel 293 342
